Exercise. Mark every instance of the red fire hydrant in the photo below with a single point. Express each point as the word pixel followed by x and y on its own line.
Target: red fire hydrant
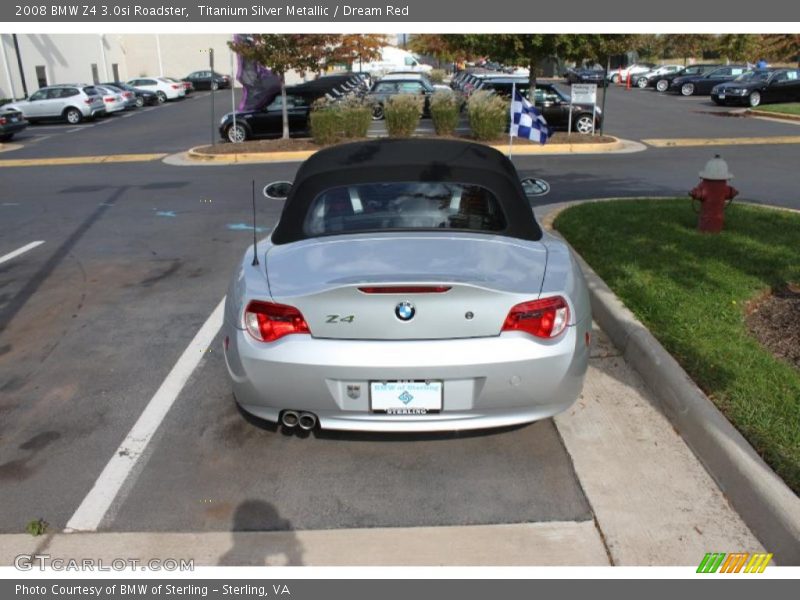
pixel 714 195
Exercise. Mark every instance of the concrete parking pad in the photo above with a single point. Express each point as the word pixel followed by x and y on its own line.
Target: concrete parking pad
pixel 654 502
pixel 555 543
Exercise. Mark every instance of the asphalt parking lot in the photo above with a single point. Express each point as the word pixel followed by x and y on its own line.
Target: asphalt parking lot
pixel 137 255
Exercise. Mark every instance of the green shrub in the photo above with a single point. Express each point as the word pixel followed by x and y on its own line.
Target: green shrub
pixel 402 114
pixel 488 115
pixel 436 75
pixel 445 111
pixel 355 118
pixel 326 125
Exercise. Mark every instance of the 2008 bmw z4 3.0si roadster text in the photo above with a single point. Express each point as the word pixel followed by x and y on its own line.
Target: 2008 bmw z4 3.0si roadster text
pixel 407 287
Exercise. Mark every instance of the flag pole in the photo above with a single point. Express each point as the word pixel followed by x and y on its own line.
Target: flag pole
pixel 511 123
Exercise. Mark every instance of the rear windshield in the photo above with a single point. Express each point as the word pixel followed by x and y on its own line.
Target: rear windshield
pixel 90 91
pixel 404 206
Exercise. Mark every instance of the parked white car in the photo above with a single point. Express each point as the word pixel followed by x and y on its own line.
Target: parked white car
pixel 164 88
pixel 113 101
pixel 73 103
pixel 620 75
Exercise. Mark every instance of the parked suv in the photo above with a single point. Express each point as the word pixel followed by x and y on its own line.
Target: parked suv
pixel 164 87
pixel 72 102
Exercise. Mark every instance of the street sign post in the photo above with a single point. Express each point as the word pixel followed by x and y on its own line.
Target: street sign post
pixel 583 93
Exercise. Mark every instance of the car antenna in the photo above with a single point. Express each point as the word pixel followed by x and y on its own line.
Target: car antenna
pixel 255 242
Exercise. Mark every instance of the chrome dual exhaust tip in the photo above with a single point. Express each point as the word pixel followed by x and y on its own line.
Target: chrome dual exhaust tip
pixel 308 421
pixel 305 420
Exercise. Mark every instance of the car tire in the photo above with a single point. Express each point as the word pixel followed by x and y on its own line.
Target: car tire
pixel 236 134
pixel 754 99
pixel 377 112
pixel 162 97
pixel 73 116
pixel 139 101
pixel 641 83
pixel 687 89
pixel 214 86
pixel 662 85
pixel 583 124
pixel 7 137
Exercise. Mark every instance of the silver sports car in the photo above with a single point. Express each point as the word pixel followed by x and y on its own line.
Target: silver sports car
pixel 407 287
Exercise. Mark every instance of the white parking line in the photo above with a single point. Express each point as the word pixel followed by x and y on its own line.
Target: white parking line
pixel 128 115
pixel 19 251
pixel 95 505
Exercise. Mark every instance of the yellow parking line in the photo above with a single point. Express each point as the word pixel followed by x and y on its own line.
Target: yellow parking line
pixel 79 160
pixel 675 142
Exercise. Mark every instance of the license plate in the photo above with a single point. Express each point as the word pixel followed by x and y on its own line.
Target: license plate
pixel 722 95
pixel 405 397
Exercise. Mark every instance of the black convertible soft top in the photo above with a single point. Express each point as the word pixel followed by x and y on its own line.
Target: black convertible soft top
pixel 407 160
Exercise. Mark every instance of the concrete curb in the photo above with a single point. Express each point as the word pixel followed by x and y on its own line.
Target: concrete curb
pixel 618 146
pixel 773 115
pixel 764 501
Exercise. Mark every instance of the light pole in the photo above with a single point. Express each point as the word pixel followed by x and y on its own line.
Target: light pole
pixel 19 64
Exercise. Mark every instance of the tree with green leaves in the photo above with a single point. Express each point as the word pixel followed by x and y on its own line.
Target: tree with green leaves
pixel 284 52
pixel 686 46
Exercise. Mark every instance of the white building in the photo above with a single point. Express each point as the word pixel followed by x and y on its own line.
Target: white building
pixel 93 58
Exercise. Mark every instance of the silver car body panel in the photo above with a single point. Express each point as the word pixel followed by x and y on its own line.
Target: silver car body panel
pixel 490 378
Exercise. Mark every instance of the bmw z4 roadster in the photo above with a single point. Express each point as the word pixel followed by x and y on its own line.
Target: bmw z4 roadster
pixel 407 287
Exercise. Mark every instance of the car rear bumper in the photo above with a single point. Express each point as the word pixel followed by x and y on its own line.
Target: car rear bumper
pixel 488 382
pixel 12 128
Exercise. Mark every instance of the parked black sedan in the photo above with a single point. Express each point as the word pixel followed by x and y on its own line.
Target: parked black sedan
pixel 691 85
pixel 390 86
pixel 583 75
pixel 11 123
pixel 553 103
pixel 143 97
pixel 662 81
pixel 208 80
pixel 268 122
pixel 759 86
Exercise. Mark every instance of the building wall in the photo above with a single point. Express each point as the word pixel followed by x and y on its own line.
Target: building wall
pixel 68 58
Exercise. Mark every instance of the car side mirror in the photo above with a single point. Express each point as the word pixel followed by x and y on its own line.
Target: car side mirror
pixel 278 190
pixel 534 187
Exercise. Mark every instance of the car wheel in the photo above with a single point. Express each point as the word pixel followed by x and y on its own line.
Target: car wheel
pixel 687 89
pixel 642 83
pixel 162 97
pixel 73 116
pixel 754 99
pixel 139 101
pixel 214 86
pixel 662 85
pixel 377 112
pixel 7 137
pixel 583 124
pixel 236 134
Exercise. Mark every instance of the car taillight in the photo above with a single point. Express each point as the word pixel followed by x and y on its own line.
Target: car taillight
pixel 89 100
pixel 3 121
pixel 108 99
pixel 128 94
pixel 267 321
pixel 544 318
pixel 175 87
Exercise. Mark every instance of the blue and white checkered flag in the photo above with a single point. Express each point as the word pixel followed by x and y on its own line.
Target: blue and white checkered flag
pixel 526 121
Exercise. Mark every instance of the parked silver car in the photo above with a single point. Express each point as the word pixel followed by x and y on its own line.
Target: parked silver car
pixel 71 102
pixel 407 287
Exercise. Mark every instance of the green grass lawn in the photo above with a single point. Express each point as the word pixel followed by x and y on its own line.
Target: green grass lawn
pixel 691 290
pixel 791 108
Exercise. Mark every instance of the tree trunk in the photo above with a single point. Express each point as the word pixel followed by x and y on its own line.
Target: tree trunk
pixel 284 109
pixel 532 80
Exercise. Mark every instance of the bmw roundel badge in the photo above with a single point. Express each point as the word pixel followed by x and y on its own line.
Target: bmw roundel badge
pixel 405 311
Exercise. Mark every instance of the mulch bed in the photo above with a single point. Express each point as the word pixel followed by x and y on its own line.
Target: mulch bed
pixel 305 144
pixel 775 321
